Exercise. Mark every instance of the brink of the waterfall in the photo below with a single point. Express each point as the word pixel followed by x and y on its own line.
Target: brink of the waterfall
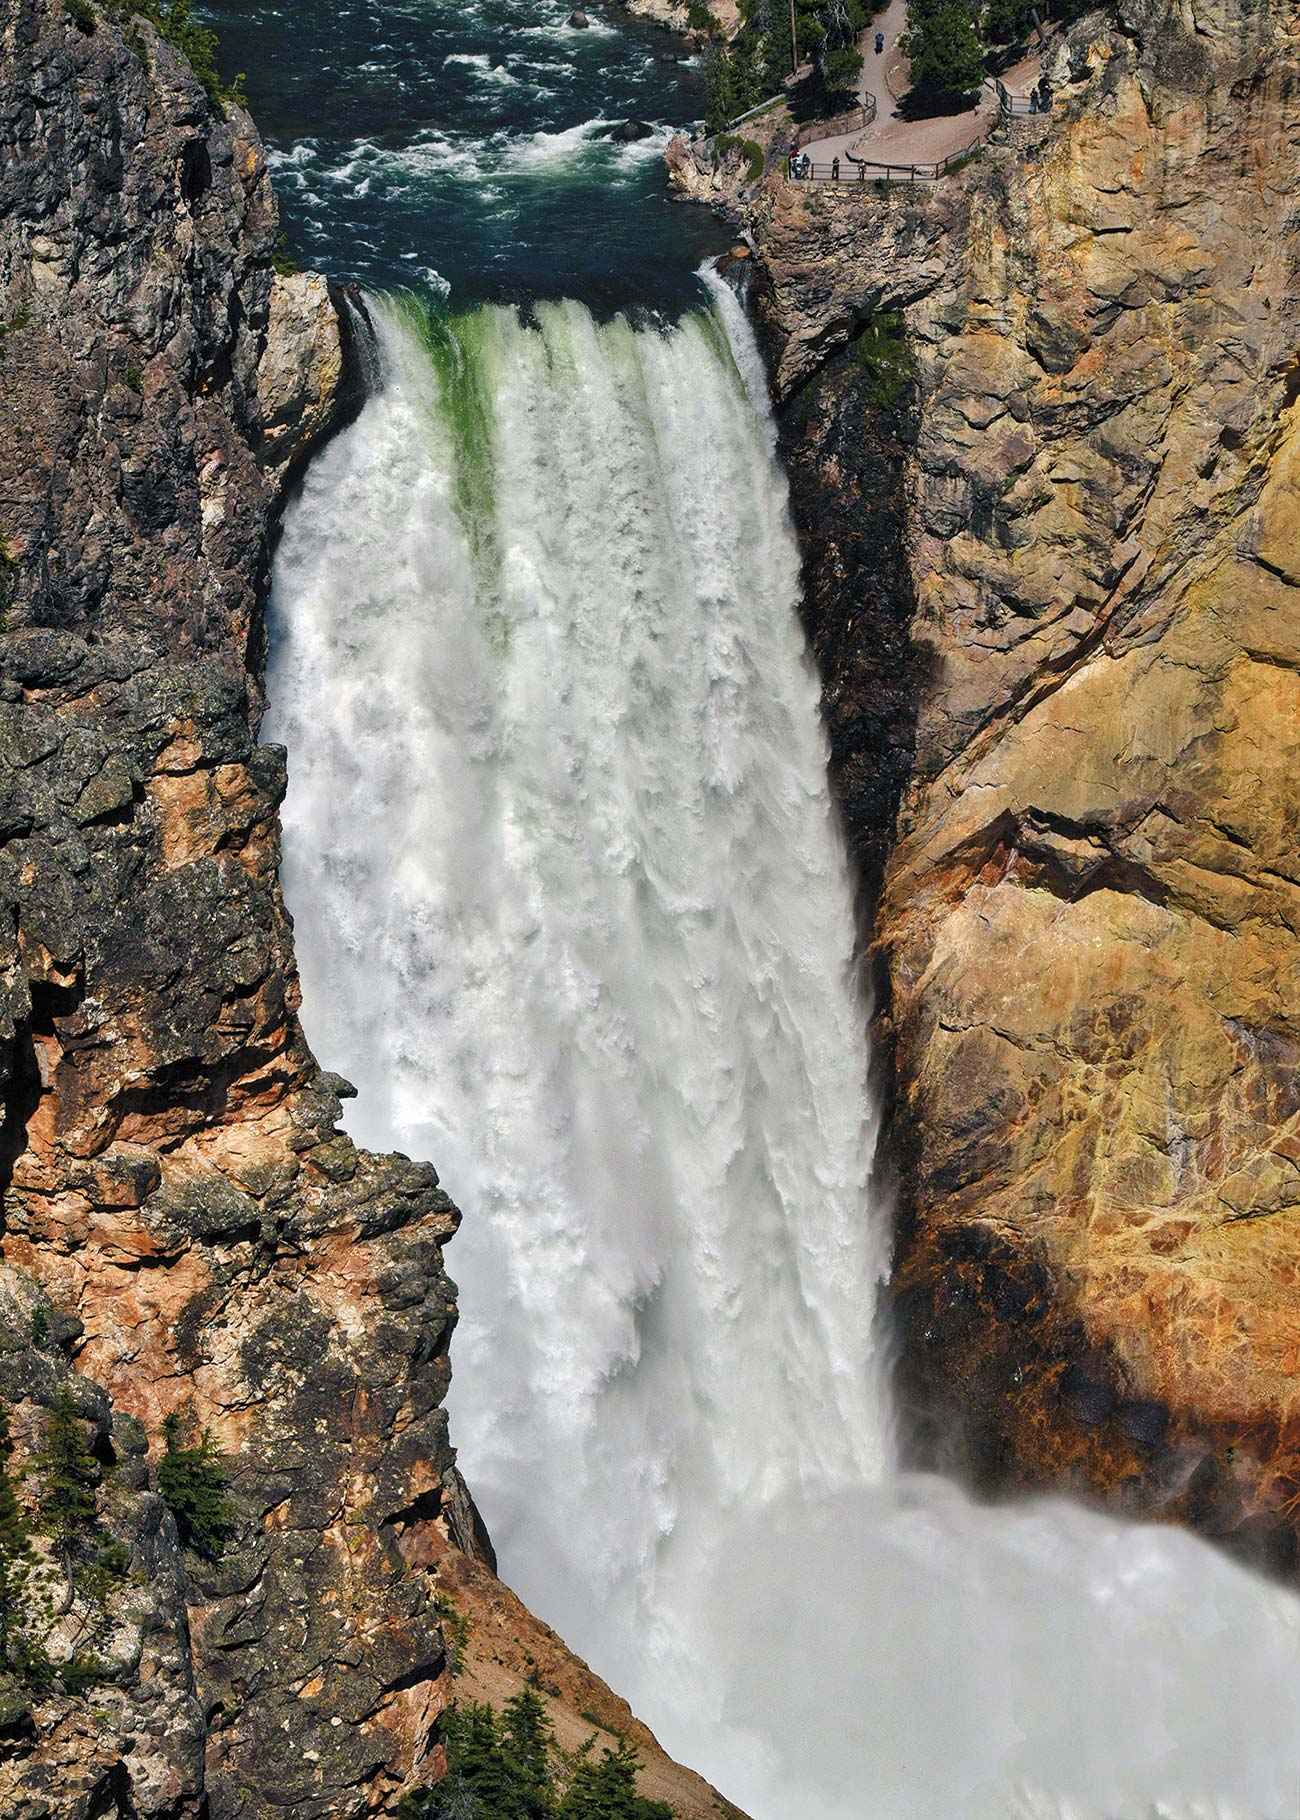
pixel 573 905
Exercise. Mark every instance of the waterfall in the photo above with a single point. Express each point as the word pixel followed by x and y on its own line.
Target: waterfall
pixel 573 911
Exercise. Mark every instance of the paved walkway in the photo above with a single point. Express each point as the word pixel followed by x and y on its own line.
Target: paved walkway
pixel 891 140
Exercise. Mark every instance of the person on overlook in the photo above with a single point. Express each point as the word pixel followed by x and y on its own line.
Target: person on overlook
pixel 835 170
pixel 880 42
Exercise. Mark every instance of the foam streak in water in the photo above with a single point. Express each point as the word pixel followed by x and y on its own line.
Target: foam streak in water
pixel 573 907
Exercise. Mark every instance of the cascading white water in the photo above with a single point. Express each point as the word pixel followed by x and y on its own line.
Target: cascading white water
pixel 573 910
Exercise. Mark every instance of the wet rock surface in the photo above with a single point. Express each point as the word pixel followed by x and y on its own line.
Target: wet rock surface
pixel 1089 912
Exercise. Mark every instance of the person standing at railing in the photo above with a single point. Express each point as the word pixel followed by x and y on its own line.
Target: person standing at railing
pixel 835 169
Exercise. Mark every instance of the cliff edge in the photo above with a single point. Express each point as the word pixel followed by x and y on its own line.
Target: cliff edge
pixel 190 1246
pixel 1042 430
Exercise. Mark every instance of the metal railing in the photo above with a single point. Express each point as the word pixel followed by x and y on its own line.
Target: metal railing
pixel 858 118
pixel 851 170
pixel 836 171
pixel 852 166
pixel 1018 107
pixel 760 107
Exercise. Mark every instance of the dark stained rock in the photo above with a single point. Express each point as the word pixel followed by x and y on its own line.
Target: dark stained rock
pixel 177 1197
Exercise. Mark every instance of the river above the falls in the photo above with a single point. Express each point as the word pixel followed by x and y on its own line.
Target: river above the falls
pixel 463 150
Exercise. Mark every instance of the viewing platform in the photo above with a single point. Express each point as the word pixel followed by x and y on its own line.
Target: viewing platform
pixel 881 146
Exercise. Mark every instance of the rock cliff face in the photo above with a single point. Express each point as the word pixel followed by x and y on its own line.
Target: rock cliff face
pixel 185 1231
pixel 1064 623
pixel 175 1187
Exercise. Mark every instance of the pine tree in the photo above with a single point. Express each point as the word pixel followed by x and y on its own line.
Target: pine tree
pixel 477 1764
pixel 527 1740
pixel 25 1614
pixel 839 59
pixel 733 82
pixel 192 1482
pixel 93 1561
pixel 943 47
pixel 607 1790
pixel 718 90
pixel 69 1477
pixel 778 50
pixel 1007 21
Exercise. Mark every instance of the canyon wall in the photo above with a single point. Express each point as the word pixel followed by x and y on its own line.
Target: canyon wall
pixel 186 1232
pixel 1041 426
pixel 177 1197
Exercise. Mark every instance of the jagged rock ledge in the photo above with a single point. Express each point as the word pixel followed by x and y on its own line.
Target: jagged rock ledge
pixel 1041 426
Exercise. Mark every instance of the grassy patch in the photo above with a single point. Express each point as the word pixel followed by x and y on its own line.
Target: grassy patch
pixel 700 19
pixel 283 263
pixel 14 326
pixel 882 349
pixel 456 1627
pixel 749 150
pixel 174 20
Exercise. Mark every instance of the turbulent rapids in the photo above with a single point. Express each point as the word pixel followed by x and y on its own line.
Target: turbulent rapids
pixel 573 911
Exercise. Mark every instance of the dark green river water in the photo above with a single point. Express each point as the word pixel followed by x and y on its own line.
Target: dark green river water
pixel 460 148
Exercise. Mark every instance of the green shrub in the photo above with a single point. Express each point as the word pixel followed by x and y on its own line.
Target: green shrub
pixel 943 47
pixel 700 19
pixel 283 264
pixel 26 1609
pixel 174 20
pixel 508 1766
pixel 82 15
pixel 882 348
pixel 455 1629
pixel 748 148
pixel 92 1559
pixel 192 1483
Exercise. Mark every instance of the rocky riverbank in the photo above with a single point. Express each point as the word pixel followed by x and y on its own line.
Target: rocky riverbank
pixel 1041 426
pixel 674 15
pixel 187 1234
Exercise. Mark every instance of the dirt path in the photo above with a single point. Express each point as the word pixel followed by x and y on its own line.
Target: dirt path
pixel 892 140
